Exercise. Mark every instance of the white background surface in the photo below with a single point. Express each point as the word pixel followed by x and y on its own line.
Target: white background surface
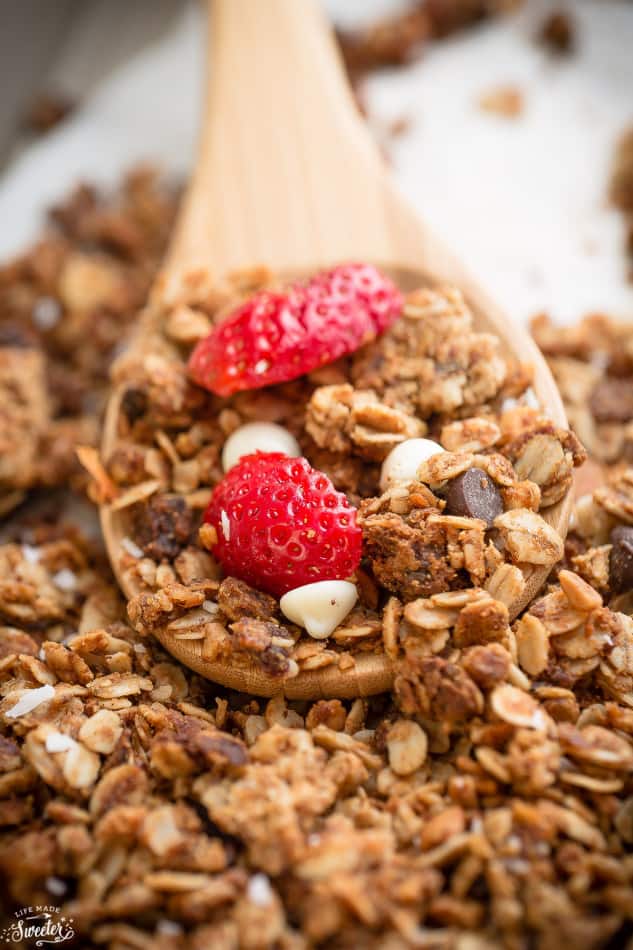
pixel 521 201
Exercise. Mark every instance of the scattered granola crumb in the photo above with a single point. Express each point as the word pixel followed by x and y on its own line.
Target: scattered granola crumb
pixel 557 32
pixel 621 186
pixel 505 101
pixel 46 111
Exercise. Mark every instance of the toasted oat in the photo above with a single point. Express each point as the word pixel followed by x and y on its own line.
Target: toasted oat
pixel 514 706
pixel 101 732
pixel 406 747
pixel 530 539
pixel 470 435
pixel 506 584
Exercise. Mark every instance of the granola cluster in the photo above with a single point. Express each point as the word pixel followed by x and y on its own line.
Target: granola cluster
pixel 65 307
pixel 592 363
pixel 399 38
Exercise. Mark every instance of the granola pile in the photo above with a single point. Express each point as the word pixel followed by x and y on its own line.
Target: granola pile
pixel 469 518
pixel 65 306
pixel 486 802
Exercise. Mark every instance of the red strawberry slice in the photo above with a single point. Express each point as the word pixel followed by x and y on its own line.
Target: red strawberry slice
pixel 281 524
pixel 274 337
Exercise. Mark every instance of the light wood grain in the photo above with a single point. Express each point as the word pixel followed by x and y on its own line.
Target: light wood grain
pixel 287 175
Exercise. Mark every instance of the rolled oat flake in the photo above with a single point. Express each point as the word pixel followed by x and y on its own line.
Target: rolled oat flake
pixel 621 559
pixel 473 494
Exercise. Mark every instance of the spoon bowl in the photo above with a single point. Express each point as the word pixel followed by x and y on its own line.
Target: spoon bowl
pixel 287 176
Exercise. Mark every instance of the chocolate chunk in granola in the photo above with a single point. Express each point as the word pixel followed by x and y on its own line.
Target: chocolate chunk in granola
pixel 237 599
pixel 134 404
pixel 14 334
pixel 612 400
pixel 473 494
pixel 408 559
pixel 621 559
pixel 163 527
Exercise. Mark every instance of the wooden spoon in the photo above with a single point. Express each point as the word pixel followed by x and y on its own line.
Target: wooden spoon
pixel 288 176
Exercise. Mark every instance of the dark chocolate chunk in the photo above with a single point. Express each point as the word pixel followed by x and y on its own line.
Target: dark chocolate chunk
pixel 134 404
pixel 621 560
pixel 14 334
pixel 473 494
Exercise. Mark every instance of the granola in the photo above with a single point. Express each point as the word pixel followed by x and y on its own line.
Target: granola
pixel 479 805
pixel 65 308
pixel 396 40
pixel 431 374
pixel 487 802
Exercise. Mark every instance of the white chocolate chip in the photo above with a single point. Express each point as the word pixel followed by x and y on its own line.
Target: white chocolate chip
pixel 258 437
pixel 320 607
pixel 31 554
pixel 404 460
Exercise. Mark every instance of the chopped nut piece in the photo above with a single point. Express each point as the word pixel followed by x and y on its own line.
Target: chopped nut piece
pixel 532 644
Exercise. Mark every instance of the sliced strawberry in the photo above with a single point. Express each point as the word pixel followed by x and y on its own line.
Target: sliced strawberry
pixel 281 524
pixel 276 337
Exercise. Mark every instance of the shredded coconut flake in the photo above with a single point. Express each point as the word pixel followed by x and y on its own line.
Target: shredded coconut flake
pixel 131 548
pixel 55 886
pixel 259 890
pixel 531 399
pixel 31 553
pixel 46 313
pixel 168 928
pixel 65 579
pixel 30 700
pixel 59 742
pixel 226 525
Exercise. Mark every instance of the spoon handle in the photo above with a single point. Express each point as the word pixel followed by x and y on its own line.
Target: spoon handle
pixel 287 174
